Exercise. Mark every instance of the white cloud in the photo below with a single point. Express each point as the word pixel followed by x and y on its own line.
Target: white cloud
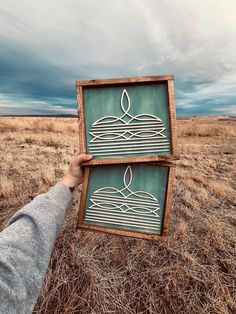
pixel 217 93
pixel 230 110
pixel 9 106
pixel 183 35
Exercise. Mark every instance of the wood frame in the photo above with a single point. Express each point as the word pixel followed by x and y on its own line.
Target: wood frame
pixel 166 211
pixel 168 79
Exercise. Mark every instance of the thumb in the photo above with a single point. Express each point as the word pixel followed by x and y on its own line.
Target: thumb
pixel 79 159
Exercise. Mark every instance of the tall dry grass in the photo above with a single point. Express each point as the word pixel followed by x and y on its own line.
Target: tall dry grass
pixel 206 128
pixel 194 271
pixel 39 125
pixel 6 187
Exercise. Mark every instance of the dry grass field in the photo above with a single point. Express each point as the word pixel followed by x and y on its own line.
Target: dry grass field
pixel 194 271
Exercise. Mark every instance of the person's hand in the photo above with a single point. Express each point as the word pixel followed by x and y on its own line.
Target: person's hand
pixel 74 175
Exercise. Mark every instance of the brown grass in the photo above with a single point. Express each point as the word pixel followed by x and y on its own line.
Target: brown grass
pixel 6 188
pixel 206 128
pixel 194 271
pixel 38 125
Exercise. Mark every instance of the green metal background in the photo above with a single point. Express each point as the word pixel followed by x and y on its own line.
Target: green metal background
pixel 152 179
pixel 105 101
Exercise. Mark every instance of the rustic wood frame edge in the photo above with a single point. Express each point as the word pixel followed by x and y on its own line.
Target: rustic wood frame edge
pixel 81 119
pixel 168 200
pixel 135 234
pixel 141 159
pixel 122 232
pixel 83 195
pixel 134 79
pixel 172 117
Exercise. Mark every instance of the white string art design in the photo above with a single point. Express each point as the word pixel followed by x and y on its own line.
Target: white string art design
pixel 128 134
pixel 124 207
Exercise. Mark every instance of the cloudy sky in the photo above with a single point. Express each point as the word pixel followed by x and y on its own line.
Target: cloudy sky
pixel 46 45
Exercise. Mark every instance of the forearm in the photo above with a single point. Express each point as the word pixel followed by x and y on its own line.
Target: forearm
pixel 26 246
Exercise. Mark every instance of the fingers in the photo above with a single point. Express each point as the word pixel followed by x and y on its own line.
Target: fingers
pixel 80 158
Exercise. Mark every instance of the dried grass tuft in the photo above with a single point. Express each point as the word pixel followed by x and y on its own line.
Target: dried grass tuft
pixel 203 129
pixel 48 174
pixel 6 187
pixel 218 188
pixel 39 125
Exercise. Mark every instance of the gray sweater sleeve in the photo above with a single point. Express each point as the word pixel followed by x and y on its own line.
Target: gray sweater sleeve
pixel 26 245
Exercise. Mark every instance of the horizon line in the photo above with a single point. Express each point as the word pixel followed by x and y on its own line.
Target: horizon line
pixel 179 116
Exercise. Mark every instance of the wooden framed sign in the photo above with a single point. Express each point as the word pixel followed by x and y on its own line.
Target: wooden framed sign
pixel 127 199
pixel 127 120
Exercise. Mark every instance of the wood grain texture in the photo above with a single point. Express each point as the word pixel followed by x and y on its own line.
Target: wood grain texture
pixel 121 232
pixel 82 136
pixel 78 117
pixel 172 117
pixel 168 201
pixel 83 195
pixel 121 160
pixel 117 81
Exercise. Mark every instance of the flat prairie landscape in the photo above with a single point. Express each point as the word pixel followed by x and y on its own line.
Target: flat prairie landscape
pixel 194 271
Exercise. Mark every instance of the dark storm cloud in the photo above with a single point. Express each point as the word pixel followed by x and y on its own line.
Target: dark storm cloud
pixel 23 72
